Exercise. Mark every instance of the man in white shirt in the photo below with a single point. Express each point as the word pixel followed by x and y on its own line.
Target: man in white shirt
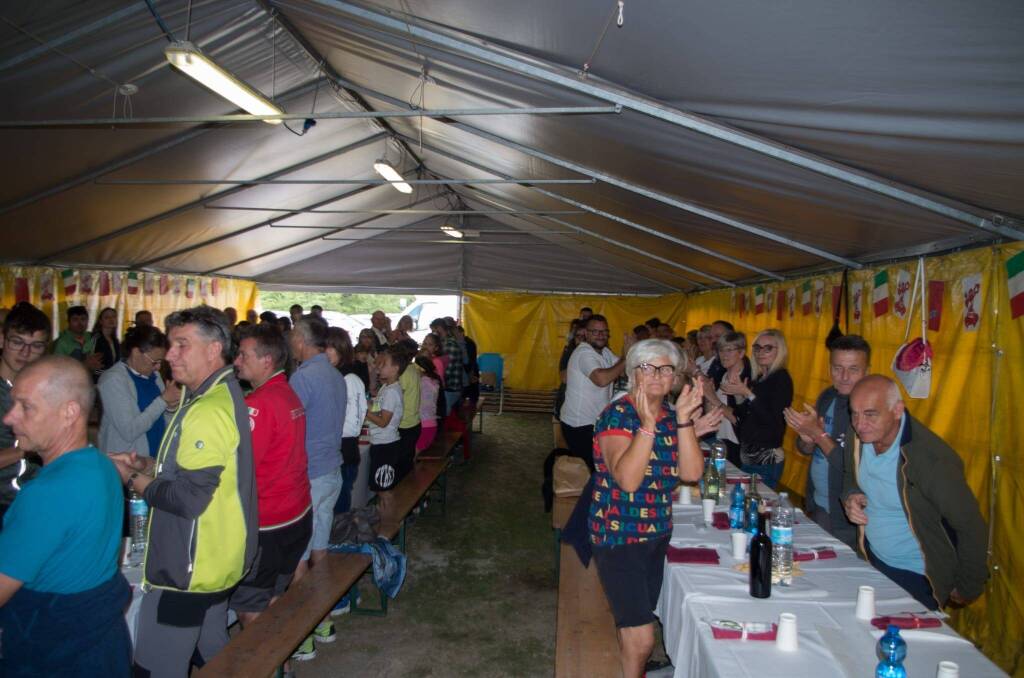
pixel 381 326
pixel 592 370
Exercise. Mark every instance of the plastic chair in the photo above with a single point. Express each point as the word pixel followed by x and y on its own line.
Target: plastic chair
pixel 492 376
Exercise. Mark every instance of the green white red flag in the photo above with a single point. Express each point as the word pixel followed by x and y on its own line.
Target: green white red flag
pixel 1015 283
pixel 880 293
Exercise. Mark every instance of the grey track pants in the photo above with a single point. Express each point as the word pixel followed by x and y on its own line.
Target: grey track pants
pixel 172 626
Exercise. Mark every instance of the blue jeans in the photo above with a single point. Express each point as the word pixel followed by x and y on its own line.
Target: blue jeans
pixel 769 473
pixel 915 584
pixel 349 473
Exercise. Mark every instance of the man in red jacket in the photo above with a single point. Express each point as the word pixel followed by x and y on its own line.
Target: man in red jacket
pixel 278 424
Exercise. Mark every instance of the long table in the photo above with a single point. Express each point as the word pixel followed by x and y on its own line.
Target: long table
pixel 832 641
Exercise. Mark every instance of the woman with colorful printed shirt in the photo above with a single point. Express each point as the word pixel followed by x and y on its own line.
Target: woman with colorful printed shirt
pixel 642 448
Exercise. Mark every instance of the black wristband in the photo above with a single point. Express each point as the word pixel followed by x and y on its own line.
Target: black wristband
pixel 684 424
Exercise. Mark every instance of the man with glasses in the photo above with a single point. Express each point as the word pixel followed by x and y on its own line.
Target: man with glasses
pixel 592 371
pixel 26 334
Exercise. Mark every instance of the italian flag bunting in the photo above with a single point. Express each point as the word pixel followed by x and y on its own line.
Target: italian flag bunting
pixel 68 277
pixel 880 294
pixel 190 288
pixel 805 297
pixel 133 283
pixel 758 299
pixel 1015 283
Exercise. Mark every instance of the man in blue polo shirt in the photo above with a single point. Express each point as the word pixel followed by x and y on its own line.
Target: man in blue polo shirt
pixel 62 597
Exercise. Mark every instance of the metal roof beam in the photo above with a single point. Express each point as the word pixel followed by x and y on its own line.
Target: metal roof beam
pixel 628 186
pixel 206 200
pixel 411 27
pixel 614 217
pixel 394 211
pixel 332 182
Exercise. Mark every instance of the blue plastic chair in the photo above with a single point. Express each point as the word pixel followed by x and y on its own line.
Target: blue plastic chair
pixel 492 363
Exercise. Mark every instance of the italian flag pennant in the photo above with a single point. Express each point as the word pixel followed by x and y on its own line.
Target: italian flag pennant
pixel 68 278
pixel 46 286
pixel 758 299
pixel 805 297
pixel 1015 283
pixel 190 288
pixel 880 294
pixel 133 283
pixel 176 286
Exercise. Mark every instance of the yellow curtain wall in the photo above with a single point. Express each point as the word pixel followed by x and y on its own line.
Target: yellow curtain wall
pixel 53 290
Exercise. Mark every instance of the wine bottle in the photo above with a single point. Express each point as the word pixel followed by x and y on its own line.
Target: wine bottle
pixel 761 561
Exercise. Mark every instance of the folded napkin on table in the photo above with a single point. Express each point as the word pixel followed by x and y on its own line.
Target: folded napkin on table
pixel 748 632
pixel 814 554
pixel 720 521
pixel 906 620
pixel 704 556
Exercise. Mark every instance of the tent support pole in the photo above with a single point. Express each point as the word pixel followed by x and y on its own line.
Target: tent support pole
pixel 410 27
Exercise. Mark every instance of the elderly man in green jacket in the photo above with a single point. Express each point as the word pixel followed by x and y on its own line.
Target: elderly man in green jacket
pixel 919 523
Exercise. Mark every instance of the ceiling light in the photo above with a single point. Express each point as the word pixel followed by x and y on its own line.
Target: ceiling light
pixel 451 231
pixel 384 168
pixel 187 58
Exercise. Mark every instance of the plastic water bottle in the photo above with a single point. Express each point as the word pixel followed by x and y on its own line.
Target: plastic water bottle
pixel 736 513
pixel 138 517
pixel 751 507
pixel 718 455
pixel 892 650
pixel 782 541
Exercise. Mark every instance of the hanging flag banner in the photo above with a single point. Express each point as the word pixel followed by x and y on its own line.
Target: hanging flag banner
pixel 791 301
pixel 1015 283
pixel 104 283
pixel 204 287
pixel 148 284
pixel 21 292
pixel 758 300
pixel 902 296
pixel 857 294
pixel 214 286
pixel 190 288
pixel 769 299
pixel 133 283
pixel 805 297
pixel 780 304
pixel 176 286
pixel 743 304
pixel 936 290
pixel 819 296
pixel 46 285
pixel 116 282
pixel 880 293
pixel 165 284
pixel 67 276
pixel 970 288
pixel 86 279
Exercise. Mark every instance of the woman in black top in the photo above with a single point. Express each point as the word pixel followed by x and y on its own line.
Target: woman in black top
pixel 760 414
pixel 105 334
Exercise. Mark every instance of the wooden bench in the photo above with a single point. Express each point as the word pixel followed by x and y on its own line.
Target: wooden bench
pixel 258 649
pixel 586 643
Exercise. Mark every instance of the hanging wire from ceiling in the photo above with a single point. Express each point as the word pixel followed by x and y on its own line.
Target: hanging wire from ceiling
pixel 617 14
pixel 160 21
pixel 188 22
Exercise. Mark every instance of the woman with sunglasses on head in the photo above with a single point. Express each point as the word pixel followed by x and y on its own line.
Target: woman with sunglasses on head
pixel 761 424
pixel 134 396
pixel 642 449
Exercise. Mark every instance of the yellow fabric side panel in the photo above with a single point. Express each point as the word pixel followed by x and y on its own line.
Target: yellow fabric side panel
pixel 46 290
pixel 530 330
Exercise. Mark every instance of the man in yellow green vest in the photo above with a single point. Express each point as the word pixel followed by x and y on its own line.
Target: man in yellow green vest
pixel 202 494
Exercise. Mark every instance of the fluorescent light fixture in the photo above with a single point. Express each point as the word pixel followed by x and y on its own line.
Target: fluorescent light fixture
pixel 384 168
pixel 187 58
pixel 451 231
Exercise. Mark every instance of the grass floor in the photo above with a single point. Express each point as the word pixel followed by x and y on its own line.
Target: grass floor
pixel 480 595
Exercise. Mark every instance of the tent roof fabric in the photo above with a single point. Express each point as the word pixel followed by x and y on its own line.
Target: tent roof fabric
pixel 910 119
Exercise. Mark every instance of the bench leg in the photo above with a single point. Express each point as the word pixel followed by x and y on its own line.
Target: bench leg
pixel 558 555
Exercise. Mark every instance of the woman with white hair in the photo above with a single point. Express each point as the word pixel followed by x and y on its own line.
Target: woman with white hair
pixel 642 448
pixel 761 423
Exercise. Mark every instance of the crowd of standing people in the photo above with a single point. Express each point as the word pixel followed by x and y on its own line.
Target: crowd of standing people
pixel 241 437
pixel 878 479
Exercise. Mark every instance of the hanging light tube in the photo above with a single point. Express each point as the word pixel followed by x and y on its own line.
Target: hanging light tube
pixel 187 58
pixel 384 168
pixel 451 231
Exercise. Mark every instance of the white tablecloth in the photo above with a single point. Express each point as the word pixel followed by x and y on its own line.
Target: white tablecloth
pixel 832 641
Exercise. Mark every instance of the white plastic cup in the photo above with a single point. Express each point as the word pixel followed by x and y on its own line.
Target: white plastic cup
pixel 709 510
pixel 786 637
pixel 739 545
pixel 947 669
pixel 865 603
pixel 685 495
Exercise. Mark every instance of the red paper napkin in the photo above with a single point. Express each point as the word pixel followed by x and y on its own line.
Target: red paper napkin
pixel 906 621
pixel 732 634
pixel 720 521
pixel 820 554
pixel 699 555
